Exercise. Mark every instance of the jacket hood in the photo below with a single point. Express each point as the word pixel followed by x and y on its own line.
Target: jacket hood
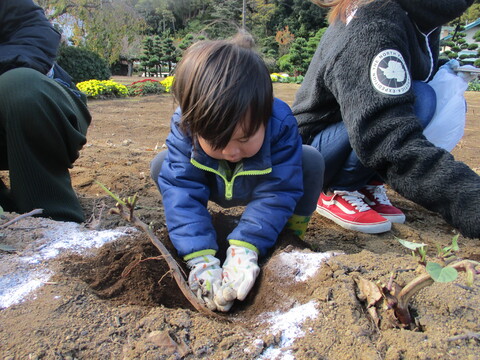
pixel 430 14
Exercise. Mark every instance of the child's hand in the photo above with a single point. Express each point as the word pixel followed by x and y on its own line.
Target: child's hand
pixel 240 271
pixel 205 279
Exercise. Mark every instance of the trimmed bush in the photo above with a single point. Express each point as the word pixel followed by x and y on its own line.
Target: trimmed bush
pixel 102 89
pixel 474 85
pixel 145 87
pixel 82 64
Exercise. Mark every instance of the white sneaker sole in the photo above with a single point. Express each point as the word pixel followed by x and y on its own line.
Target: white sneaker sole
pixel 364 228
pixel 399 219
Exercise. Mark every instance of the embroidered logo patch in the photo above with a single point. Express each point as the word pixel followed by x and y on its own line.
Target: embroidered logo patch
pixel 389 74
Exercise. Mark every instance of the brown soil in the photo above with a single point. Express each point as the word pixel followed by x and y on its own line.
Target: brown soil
pixel 107 304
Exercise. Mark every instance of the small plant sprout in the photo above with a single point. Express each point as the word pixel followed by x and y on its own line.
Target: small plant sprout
pixel 446 255
pixel 394 299
pixel 417 249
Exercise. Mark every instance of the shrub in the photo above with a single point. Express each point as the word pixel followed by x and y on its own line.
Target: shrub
pixel 82 64
pixel 285 78
pixel 285 64
pixel 276 77
pixel 102 89
pixel 145 87
pixel 474 85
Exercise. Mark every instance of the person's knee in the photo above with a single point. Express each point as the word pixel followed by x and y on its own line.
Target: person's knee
pixel 24 81
pixel 21 96
pixel 312 160
pixel 425 102
pixel 313 165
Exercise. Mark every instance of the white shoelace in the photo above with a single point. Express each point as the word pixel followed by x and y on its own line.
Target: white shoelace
pixel 354 198
pixel 379 193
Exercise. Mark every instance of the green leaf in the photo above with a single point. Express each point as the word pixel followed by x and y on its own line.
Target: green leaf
pixel 441 274
pixel 117 199
pixel 411 245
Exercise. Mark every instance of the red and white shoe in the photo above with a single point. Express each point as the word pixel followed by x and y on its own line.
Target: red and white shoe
pixel 376 198
pixel 349 210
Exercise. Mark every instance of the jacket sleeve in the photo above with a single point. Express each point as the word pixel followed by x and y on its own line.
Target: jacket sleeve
pixel 276 195
pixel 185 195
pixel 27 37
pixel 387 136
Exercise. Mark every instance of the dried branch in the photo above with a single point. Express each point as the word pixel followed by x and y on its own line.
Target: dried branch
pixel 172 264
pixel 20 217
pixel 467 336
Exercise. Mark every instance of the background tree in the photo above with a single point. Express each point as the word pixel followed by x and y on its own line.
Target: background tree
pixel 169 53
pixel 112 28
pixel 100 26
pixel 456 47
pixel 150 60
pixel 284 39
pixel 262 12
pixel 301 16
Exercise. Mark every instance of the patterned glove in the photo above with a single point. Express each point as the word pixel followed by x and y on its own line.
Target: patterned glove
pixel 205 278
pixel 240 271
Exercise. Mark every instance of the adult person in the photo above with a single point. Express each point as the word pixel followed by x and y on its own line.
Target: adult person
pixel 364 104
pixel 43 117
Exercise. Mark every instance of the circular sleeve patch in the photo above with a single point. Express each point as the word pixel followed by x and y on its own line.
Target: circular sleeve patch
pixel 389 73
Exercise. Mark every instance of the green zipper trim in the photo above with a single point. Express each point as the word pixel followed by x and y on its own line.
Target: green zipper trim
pixel 229 184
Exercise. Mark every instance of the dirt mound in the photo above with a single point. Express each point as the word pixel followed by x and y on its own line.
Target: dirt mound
pixel 131 271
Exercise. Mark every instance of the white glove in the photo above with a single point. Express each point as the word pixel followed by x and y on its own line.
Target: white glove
pixel 240 271
pixel 205 278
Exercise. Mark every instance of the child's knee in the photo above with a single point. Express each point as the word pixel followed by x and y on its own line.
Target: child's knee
pixel 156 165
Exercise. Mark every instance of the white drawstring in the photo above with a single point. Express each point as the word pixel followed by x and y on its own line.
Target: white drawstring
pixel 429 51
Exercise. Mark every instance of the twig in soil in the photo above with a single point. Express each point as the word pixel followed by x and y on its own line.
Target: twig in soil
pixel 467 336
pixel 20 217
pixel 134 264
pixel 94 221
pixel 127 214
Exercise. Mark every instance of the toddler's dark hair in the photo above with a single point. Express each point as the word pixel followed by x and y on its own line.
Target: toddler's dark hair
pixel 217 84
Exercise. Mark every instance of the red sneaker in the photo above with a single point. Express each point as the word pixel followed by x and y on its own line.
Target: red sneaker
pixel 376 197
pixel 348 209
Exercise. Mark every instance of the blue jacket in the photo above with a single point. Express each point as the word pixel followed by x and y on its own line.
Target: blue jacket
pixel 269 184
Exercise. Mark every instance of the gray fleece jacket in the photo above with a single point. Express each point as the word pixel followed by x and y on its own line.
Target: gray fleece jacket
pixel 361 74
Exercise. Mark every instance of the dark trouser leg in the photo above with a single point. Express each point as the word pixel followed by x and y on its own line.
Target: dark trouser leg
pixel 156 166
pixel 313 173
pixel 343 169
pixel 42 128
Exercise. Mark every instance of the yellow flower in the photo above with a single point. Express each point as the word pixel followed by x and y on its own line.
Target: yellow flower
pixel 167 82
pixel 95 88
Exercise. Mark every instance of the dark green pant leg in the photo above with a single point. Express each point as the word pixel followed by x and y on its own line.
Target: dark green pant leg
pixel 42 127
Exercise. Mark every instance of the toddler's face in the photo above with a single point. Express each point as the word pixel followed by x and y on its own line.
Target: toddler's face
pixel 239 146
